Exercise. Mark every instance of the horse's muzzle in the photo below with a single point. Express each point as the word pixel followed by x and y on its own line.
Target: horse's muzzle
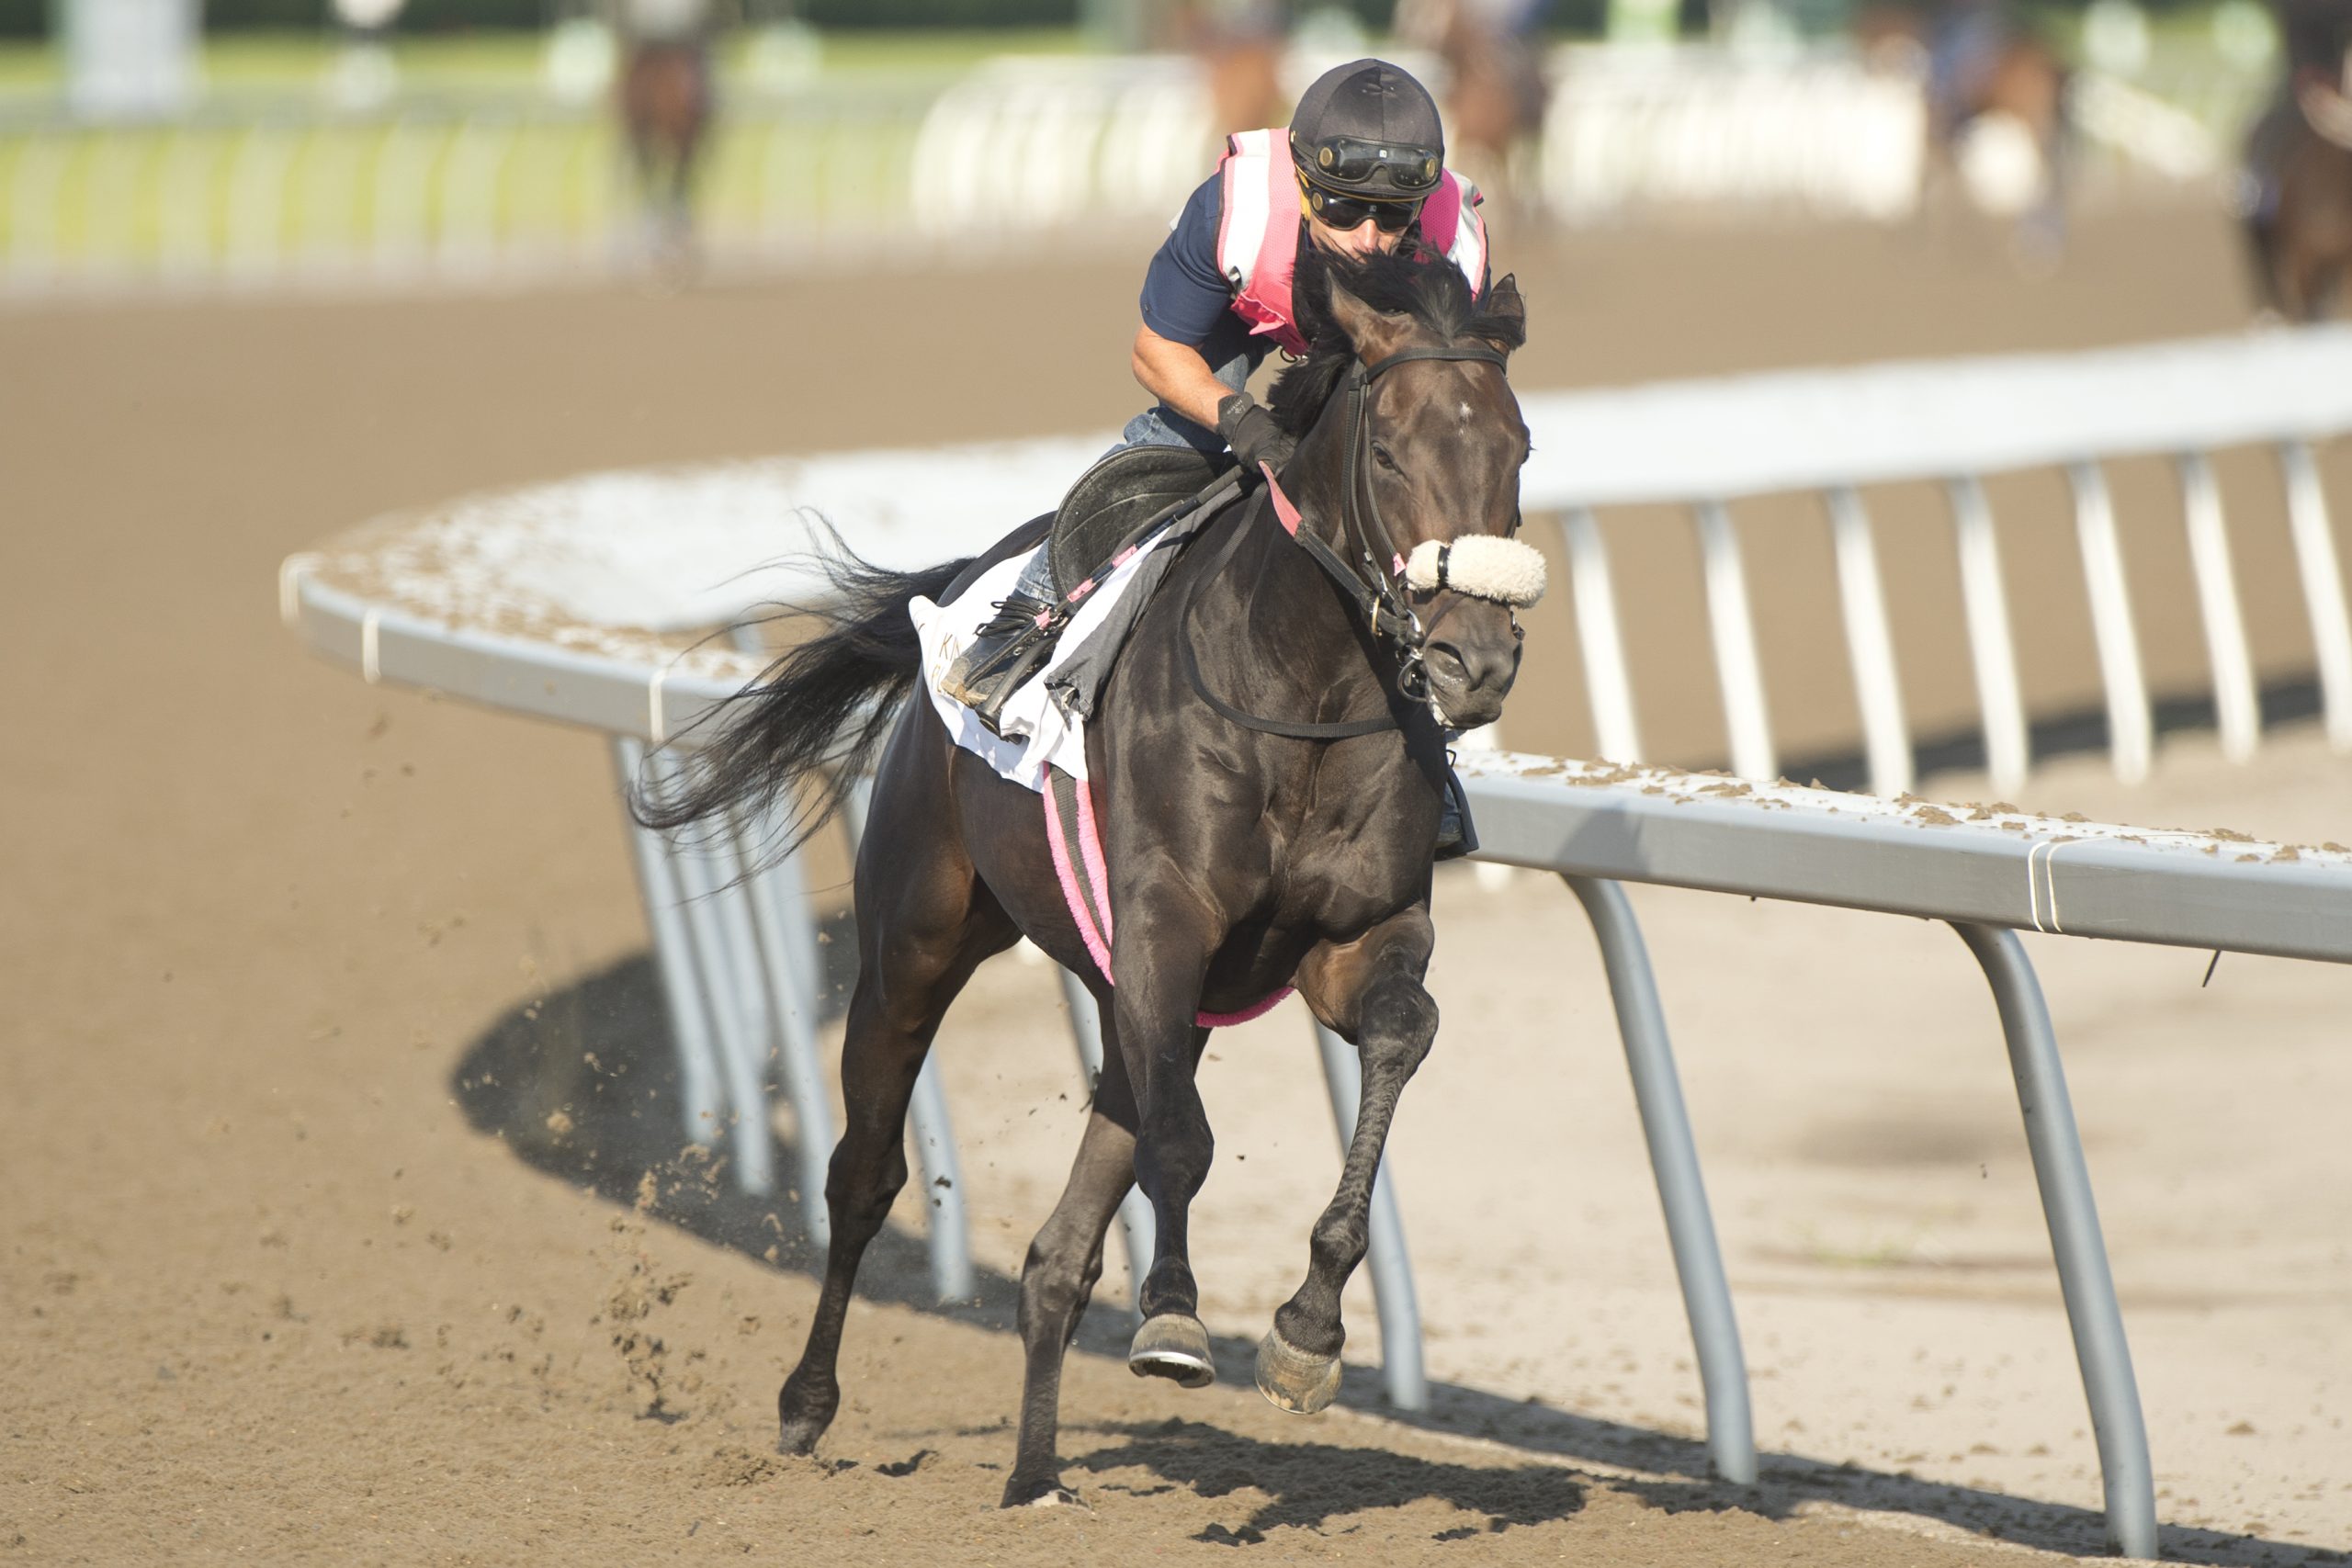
pixel 1470 676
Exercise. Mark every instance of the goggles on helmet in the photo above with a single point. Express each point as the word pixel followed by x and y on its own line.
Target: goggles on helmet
pixel 1369 168
pixel 1347 212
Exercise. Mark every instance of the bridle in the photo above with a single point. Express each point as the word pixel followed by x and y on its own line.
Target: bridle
pixel 1369 582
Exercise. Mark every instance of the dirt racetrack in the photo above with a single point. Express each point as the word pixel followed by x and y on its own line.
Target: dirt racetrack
pixel 299 971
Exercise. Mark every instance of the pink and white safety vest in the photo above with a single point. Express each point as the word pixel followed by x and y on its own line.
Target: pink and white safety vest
pixel 1257 234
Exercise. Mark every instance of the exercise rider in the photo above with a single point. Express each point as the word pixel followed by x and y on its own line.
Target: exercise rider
pixel 1361 169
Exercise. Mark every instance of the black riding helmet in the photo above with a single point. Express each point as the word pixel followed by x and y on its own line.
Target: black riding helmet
pixel 1369 132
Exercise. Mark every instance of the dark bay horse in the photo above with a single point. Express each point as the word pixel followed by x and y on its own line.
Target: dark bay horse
pixel 1241 858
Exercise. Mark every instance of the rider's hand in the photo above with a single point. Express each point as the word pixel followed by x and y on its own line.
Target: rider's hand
pixel 1252 434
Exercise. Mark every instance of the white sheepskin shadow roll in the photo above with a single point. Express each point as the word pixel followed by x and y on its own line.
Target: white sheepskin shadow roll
pixel 1479 565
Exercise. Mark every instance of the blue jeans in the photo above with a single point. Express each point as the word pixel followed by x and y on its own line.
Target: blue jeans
pixel 1158 425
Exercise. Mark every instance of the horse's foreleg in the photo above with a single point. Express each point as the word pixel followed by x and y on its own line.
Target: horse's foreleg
pixel 1369 990
pixel 1160 958
pixel 1063 1263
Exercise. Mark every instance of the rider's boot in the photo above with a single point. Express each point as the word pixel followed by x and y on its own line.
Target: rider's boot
pixel 1455 836
pixel 1003 654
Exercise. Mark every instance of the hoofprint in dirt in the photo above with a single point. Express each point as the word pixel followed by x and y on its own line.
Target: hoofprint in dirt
pixel 270 1293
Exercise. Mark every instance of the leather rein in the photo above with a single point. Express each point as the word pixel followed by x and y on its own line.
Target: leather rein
pixel 1369 583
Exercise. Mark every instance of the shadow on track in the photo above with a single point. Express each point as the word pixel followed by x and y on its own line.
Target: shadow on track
pixel 1312 1483
pixel 584 1087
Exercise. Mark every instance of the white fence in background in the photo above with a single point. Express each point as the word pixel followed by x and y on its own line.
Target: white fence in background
pixel 527 601
pixel 1089 149
pixel 1956 422
pixel 1822 136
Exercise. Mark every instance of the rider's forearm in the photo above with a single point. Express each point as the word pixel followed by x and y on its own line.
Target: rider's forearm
pixel 1178 375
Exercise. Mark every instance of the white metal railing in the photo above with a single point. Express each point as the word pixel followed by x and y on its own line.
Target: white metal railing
pixel 1832 432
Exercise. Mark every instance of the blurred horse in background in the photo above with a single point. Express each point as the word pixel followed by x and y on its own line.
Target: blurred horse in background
pixel 1495 93
pixel 665 94
pixel 1996 113
pixel 2299 184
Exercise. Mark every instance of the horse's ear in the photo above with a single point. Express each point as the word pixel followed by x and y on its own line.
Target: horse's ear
pixel 1372 333
pixel 1503 306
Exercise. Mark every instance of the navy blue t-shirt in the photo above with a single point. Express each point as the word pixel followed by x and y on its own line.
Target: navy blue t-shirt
pixel 1185 298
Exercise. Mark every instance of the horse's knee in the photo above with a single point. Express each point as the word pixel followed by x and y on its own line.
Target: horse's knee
pixel 1399 1026
pixel 860 1188
pixel 1339 1242
pixel 1056 1284
pixel 1175 1148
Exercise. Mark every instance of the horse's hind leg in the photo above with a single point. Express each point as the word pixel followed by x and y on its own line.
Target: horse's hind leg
pixel 1370 991
pixel 1058 1279
pixel 924 923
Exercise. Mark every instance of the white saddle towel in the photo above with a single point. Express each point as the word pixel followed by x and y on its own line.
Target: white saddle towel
pixel 1043 735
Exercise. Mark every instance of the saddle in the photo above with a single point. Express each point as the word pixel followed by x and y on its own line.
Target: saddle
pixel 1128 496
pixel 1116 498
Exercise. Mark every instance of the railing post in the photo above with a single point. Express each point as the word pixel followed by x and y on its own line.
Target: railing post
pixel 795 1008
pixel 1986 601
pixel 720 943
pixel 2237 710
pixel 701 1104
pixel 1607 683
pixel 2131 731
pixel 1738 668
pixel 1877 691
pixel 2056 1146
pixel 1674 1160
pixel 2323 587
pixel 943 1183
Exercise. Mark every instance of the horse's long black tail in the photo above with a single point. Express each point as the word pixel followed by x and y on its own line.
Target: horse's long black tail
pixel 824 707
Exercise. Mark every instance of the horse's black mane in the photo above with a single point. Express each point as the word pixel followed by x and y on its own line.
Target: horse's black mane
pixel 1415 281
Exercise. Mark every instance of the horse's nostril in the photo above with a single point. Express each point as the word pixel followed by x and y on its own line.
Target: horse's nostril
pixel 1446 662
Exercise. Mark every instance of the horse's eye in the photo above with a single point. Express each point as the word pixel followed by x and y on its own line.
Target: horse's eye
pixel 1380 456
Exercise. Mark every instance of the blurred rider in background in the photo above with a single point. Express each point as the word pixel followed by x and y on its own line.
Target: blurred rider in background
pixel 664 98
pixel 1362 168
pixel 2317 40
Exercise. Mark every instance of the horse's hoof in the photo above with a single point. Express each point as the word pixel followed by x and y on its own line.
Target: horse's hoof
pixel 1296 1380
pixel 799 1438
pixel 1049 1493
pixel 1172 1345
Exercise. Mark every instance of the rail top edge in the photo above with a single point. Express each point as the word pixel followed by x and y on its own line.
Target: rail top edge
pixel 1990 863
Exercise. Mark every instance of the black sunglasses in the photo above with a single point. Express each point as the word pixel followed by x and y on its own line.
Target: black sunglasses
pixel 1355 161
pixel 1347 212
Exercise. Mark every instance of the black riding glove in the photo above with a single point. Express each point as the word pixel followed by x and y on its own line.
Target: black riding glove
pixel 1252 434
